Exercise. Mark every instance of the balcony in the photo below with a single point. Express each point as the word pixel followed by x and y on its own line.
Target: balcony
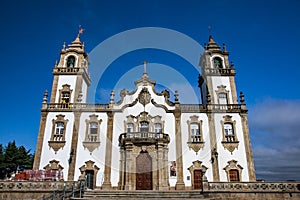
pixel 143 138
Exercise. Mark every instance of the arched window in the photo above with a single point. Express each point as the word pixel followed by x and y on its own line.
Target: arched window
pixel 130 128
pixel 144 126
pixel 218 62
pixel 157 128
pixel 71 61
pixel 234 175
pixel 195 132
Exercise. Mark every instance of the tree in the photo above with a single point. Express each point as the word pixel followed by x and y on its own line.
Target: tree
pixel 2 166
pixel 14 158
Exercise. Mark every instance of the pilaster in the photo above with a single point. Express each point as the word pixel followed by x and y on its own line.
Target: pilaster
pixel 249 158
pixel 108 153
pixel 213 147
pixel 179 166
pixel 73 150
pixel 39 144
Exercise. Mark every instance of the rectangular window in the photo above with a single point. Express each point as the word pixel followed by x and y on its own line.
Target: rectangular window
pixel 222 98
pixel 130 128
pixel 157 128
pixel 93 128
pixel 195 132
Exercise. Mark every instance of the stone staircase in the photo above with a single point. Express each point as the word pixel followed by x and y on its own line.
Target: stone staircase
pixel 143 194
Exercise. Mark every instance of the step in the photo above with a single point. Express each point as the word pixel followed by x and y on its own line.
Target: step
pixel 144 194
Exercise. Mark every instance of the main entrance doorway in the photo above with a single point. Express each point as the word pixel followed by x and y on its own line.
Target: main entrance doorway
pixel 144 171
pixel 197 179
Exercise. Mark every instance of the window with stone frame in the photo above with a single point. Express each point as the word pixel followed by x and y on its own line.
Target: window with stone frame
pixel 195 134
pixel 229 132
pixel 92 133
pixel 230 140
pixel 59 131
pixel 144 126
pixel 130 127
pixel 222 94
pixel 57 139
pixel 157 128
pixel 65 94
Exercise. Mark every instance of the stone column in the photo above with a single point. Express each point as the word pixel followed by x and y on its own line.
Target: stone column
pixel 73 150
pixel 179 166
pixel 39 144
pixel 160 166
pixel 213 147
pixel 249 158
pixel 108 152
pixel 121 171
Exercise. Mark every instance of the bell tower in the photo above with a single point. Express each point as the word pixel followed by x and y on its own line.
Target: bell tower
pixel 217 82
pixel 70 74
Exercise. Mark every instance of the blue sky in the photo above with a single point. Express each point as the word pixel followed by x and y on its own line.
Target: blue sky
pixel 262 38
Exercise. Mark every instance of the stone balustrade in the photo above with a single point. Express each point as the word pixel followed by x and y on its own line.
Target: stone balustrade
pixel 252 187
pixel 36 185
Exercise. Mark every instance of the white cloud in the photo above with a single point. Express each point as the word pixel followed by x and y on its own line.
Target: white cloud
pixel 275 128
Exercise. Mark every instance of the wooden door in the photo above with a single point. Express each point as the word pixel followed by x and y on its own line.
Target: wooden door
pixel 89 179
pixel 197 179
pixel 234 175
pixel 144 172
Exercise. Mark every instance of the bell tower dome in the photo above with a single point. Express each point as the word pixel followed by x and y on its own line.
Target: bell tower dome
pixel 70 74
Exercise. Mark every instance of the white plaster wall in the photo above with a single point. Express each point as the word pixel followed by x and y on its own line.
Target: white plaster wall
pixel 66 79
pixel 217 81
pixel 189 155
pixel 98 155
pixel 238 154
pixel 63 154
pixel 84 92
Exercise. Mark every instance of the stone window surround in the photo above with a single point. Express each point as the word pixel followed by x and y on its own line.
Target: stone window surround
pixel 222 89
pixel 56 145
pixel 196 146
pixel 229 145
pixel 92 145
pixel 93 119
pixel 195 120
pixel 232 164
pixel 65 88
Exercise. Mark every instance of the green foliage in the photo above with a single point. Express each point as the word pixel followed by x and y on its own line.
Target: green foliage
pixel 13 158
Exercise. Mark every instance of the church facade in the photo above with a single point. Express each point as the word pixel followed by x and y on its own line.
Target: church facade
pixel 145 141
